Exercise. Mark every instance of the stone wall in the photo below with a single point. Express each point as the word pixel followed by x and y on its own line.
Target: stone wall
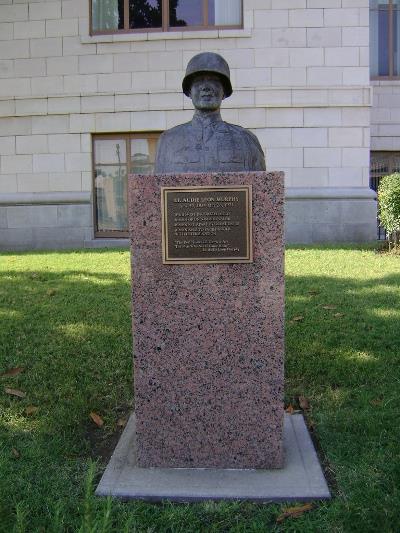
pixel 300 71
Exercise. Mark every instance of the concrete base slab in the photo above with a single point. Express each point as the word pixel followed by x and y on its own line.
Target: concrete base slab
pixel 301 479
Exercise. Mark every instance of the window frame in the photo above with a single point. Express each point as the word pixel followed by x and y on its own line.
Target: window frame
pixel 127 138
pixel 390 44
pixel 165 22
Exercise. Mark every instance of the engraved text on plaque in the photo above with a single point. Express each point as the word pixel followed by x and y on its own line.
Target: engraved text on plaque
pixel 206 224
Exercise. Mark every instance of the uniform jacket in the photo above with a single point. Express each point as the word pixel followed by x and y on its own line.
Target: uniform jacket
pixel 207 143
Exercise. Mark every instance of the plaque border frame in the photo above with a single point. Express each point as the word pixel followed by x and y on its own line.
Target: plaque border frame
pixel 208 260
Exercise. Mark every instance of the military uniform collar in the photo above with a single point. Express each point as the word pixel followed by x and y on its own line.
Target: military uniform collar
pixel 204 120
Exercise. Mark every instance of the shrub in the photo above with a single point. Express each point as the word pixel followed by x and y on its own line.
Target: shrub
pixel 389 207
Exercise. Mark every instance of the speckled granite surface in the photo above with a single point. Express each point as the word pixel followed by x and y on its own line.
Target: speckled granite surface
pixel 208 339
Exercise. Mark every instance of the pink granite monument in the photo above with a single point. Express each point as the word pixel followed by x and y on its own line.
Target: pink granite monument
pixel 208 337
pixel 208 302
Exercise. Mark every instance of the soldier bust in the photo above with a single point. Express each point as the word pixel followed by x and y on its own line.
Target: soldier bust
pixel 207 143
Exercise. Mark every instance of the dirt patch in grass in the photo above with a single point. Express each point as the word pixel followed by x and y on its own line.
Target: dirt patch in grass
pixel 102 445
pixel 102 442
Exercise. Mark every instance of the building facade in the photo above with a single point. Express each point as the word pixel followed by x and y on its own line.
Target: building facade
pixel 86 87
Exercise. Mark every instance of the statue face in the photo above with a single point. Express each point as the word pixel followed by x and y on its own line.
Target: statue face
pixel 207 92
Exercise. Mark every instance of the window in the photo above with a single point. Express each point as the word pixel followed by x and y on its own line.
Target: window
pixel 111 16
pixel 385 38
pixel 115 157
pixel 382 164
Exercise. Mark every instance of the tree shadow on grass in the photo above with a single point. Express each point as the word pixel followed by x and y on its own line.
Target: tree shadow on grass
pixel 347 333
pixel 343 353
pixel 71 330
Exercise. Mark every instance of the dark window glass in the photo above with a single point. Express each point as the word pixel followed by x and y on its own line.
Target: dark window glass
pixel 211 12
pixel 145 14
pixel 396 40
pixel 396 164
pixel 383 32
pixel 185 13
pixel 385 38
pixel 107 15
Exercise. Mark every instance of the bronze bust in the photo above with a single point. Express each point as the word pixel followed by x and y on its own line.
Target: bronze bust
pixel 207 143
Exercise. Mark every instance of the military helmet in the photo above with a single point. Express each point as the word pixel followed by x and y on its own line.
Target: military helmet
pixel 204 63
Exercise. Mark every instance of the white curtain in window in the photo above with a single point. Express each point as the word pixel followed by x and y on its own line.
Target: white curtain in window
pixel 105 14
pixel 228 12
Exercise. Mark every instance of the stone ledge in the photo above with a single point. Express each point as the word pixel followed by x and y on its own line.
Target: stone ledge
pixel 329 193
pixel 385 83
pixel 301 478
pixel 291 193
pixel 100 242
pixel 167 35
pixel 45 198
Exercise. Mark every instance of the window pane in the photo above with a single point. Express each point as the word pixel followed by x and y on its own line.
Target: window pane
pixel 396 41
pixel 379 32
pixel 107 15
pixel 111 168
pixel 375 4
pixel 109 151
pixel 225 12
pixel 379 165
pixel 145 14
pixel 185 13
pixel 143 152
pixel 396 164
pixel 111 198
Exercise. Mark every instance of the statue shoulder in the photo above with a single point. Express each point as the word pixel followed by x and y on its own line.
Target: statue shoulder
pixel 255 151
pixel 168 142
pixel 247 134
pixel 176 131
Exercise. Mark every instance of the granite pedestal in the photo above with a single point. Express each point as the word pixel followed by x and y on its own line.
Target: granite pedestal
pixel 208 338
pixel 208 347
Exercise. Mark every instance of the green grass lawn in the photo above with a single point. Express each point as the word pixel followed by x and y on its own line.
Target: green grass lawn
pixel 65 318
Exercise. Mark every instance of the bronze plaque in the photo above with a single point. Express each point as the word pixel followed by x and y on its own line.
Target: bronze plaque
pixel 210 224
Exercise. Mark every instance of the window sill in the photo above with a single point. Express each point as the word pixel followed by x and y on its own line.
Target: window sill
pixel 160 36
pixel 385 81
